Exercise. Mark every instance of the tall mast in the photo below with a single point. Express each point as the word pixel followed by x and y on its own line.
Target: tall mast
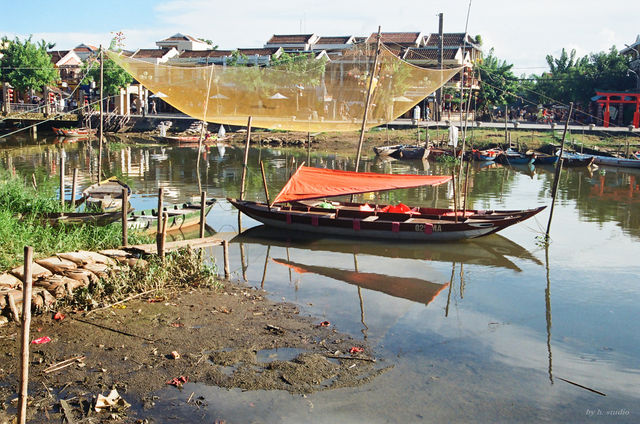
pixel 440 63
pixel 101 113
pixel 366 104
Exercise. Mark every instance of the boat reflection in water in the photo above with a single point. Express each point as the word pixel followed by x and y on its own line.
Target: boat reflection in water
pixel 414 289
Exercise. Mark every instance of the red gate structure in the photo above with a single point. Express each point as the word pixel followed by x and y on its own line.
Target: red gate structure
pixel 613 98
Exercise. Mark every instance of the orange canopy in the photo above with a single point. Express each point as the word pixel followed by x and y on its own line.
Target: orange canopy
pixel 316 183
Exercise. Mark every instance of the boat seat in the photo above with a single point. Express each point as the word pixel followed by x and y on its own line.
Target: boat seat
pixel 370 218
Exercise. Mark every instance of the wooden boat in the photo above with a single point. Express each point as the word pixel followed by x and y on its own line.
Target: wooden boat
pixel 292 209
pixel 414 289
pixel 76 218
pixel 435 153
pixel 105 195
pixel 486 155
pixel 614 161
pixel 513 157
pixel 544 158
pixel 189 139
pixel 180 217
pixel 575 160
pixel 74 132
pixel 402 151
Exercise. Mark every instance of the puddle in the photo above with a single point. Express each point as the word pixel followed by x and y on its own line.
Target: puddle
pixel 281 354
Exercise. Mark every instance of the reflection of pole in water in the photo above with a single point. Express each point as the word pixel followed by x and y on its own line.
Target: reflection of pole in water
pixel 364 325
pixel 461 280
pixel 243 262
pixel 453 274
pixel 266 261
pixel 289 260
pixel 547 301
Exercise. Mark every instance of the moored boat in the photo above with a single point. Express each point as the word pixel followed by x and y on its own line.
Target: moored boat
pixel 486 155
pixel 106 195
pixel 77 218
pixel 513 157
pixel 74 132
pixel 296 208
pixel 614 161
pixel 402 151
pixel 575 160
pixel 179 217
pixel 544 158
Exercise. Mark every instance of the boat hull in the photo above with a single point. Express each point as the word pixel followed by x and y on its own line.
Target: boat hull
pixel 180 218
pixel 428 225
pixel 401 151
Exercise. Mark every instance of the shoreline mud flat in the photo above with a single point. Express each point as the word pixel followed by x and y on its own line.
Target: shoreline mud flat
pixel 231 338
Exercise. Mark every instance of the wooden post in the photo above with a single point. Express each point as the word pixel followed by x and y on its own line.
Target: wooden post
pixel 34 182
pixel 73 188
pixel 264 183
pixel 368 101
pixel 100 131
pixel 26 323
pixel 159 215
pixel 203 206
pixel 62 178
pixel 506 130
pixel 245 160
pixel 557 175
pixel 309 147
pixel 455 198
pixel 163 235
pixel 466 188
pixel 225 253
pixel 125 212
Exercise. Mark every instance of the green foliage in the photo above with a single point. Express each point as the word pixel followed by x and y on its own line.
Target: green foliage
pixel 115 77
pixel 309 71
pixel 26 65
pixel 572 79
pixel 21 226
pixel 499 84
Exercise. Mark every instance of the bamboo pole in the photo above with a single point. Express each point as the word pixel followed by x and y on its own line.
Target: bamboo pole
pixel 557 175
pixel 264 183
pixel 203 206
pixel 225 253
pixel 74 185
pixel 62 178
pixel 455 197
pixel 100 131
pixel 368 100
pixel 163 235
pixel 159 215
pixel 34 182
pixel 246 159
pixel 466 188
pixel 26 323
pixel 125 212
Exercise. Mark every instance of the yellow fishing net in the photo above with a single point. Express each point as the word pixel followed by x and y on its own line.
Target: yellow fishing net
pixel 304 93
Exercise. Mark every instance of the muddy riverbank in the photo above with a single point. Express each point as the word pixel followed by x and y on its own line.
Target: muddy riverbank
pixel 233 338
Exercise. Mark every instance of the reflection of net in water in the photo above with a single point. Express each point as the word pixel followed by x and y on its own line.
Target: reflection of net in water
pixel 303 94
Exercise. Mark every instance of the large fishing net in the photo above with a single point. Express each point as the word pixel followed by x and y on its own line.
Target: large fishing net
pixel 302 93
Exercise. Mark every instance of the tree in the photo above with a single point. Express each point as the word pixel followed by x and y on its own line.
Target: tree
pixel 498 84
pixel 27 65
pixel 114 79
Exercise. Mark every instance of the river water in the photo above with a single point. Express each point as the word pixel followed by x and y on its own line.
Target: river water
pixel 491 330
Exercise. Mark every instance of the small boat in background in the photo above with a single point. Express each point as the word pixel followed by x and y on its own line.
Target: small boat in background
pixel 513 157
pixel 180 217
pixel 74 132
pixel 402 151
pixel 106 195
pixel 99 219
pixel 575 160
pixel 486 155
pixel 543 158
pixel 614 161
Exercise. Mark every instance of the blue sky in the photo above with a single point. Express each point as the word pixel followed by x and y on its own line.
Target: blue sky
pixel 522 31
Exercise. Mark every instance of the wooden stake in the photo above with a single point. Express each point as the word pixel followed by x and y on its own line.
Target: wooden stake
pixel 455 198
pixel 203 206
pixel 466 188
pixel 34 182
pixel 557 175
pixel 62 178
pixel 368 101
pixel 100 131
pixel 26 323
pixel 264 183
pixel 225 254
pixel 245 160
pixel 73 188
pixel 125 212
pixel 506 130
pixel 163 235
pixel 159 215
